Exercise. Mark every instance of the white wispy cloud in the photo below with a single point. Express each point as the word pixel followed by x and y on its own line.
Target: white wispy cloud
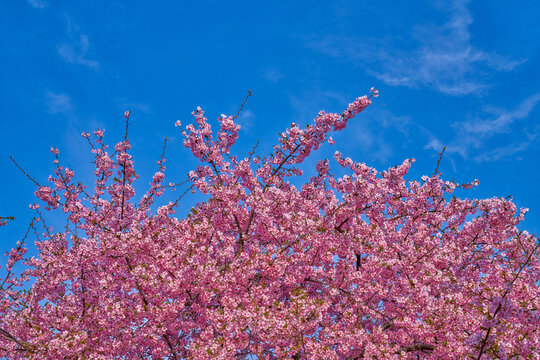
pixel 471 136
pixel 74 149
pixel 38 4
pixel 372 134
pixel 272 75
pixel 507 152
pixel 387 119
pixel 372 143
pixel 246 120
pixel 434 144
pixel 502 121
pixel 533 133
pixel 76 50
pixel 444 59
pixel 58 103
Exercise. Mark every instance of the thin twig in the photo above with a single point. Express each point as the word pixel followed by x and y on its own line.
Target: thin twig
pixel 254 147
pixel 250 92
pixel 124 168
pixel 439 161
pixel 24 172
pixel 240 236
pixel 486 337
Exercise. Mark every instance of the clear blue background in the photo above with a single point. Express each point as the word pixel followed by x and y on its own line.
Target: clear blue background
pixel 460 74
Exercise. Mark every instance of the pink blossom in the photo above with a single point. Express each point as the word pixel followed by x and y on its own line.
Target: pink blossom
pixel 365 265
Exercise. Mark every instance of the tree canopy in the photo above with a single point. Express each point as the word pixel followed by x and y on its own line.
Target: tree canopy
pixel 364 266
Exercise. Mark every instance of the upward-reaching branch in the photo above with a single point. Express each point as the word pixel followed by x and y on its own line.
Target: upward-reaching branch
pixel 250 92
pixel 126 116
pixel 439 161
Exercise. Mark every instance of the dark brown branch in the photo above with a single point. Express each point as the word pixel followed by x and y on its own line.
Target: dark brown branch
pixel 23 344
pixel 274 172
pixel 387 325
pixel 417 347
pixel 252 152
pixel 338 228
pixel 123 188
pixel 250 92
pixel 173 353
pixel 24 172
pixel 30 226
pixel 124 170
pixel 240 236
pixel 83 295
pixel 249 221
pixel 484 340
pixel 439 161
pixel 214 167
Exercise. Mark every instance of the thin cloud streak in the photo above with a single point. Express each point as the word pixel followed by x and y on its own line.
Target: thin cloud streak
pixel 488 128
pixel 76 53
pixel 76 50
pixel 501 153
pixel 445 60
pixel 272 75
pixel 58 103
pixel 473 134
pixel 38 4
pixel 246 120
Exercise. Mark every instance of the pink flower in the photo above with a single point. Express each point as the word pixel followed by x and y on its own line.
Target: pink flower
pixel 358 266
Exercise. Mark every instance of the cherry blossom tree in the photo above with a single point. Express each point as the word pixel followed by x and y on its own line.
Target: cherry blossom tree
pixel 365 266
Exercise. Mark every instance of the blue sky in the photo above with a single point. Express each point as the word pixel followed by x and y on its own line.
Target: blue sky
pixel 460 74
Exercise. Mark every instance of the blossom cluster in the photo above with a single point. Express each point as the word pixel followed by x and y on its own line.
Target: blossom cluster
pixel 366 266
